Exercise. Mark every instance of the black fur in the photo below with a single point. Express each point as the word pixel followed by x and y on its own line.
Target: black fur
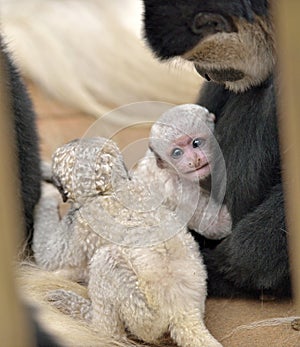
pixel 175 37
pixel 254 259
pixel 27 148
pixel 28 159
pixel 41 337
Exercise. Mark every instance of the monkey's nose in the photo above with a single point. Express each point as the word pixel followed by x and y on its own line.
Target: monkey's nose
pixel 195 163
pixel 205 24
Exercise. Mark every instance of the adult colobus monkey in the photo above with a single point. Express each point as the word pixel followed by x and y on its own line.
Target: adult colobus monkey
pixel 231 44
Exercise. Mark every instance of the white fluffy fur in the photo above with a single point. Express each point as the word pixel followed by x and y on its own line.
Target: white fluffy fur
pixel 150 288
pixel 90 54
pixel 35 284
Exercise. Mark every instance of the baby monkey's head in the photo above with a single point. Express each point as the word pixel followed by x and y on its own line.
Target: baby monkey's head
pixel 87 167
pixel 181 141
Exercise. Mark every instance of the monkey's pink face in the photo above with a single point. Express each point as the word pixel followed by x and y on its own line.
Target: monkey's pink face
pixel 189 156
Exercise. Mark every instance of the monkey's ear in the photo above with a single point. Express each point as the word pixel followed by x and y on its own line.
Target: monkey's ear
pixel 161 163
pixel 211 117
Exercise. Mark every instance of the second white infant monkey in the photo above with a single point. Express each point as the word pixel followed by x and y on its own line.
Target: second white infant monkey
pixel 183 146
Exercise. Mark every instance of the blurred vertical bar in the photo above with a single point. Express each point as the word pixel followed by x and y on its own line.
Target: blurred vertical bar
pixel 287 24
pixel 14 331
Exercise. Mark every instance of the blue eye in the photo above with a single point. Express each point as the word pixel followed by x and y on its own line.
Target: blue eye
pixel 176 153
pixel 198 142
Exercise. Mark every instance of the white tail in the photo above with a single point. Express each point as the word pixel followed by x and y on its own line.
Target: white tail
pixel 90 54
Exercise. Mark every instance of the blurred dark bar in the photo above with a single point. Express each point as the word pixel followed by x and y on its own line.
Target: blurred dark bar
pixel 287 24
pixel 14 331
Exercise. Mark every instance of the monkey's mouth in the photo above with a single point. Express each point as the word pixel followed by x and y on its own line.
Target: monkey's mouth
pixel 200 170
pixel 222 75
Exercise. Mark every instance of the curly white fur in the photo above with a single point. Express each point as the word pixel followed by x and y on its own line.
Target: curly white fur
pixel 149 290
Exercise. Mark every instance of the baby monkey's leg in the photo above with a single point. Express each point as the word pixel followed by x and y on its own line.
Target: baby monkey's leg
pixel 55 244
pixel 46 224
pixel 117 297
pixel 188 330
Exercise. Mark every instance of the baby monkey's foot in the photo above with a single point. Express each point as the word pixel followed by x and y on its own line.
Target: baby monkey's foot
pixel 70 303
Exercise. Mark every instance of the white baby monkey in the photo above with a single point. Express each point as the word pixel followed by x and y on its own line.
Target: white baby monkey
pixel 141 277
pixel 184 148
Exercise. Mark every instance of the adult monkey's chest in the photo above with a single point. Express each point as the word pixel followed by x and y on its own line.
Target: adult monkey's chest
pixel 247 134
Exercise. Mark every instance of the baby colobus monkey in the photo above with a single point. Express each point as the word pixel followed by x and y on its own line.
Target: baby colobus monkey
pixel 180 141
pixel 143 268
pixel 184 148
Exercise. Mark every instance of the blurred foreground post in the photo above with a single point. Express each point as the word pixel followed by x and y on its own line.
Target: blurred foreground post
pixel 287 14
pixel 14 331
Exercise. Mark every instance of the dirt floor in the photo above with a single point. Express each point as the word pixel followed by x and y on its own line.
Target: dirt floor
pixel 236 323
